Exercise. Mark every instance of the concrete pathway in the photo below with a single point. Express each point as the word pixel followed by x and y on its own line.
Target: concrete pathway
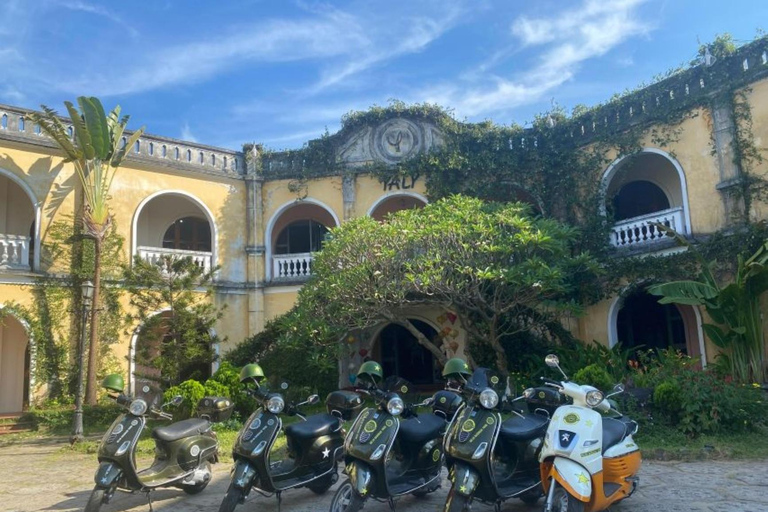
pixel 44 477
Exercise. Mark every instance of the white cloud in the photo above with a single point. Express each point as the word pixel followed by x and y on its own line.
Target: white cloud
pixel 568 39
pixel 186 133
pixel 78 5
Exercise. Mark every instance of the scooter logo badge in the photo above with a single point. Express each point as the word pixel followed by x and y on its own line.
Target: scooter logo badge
pixel 194 451
pixel 435 455
pixel 571 418
pixel 370 427
pixel 468 426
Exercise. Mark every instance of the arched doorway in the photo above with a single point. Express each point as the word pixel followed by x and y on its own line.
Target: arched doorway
pixel 14 365
pixel 400 354
pixel 148 345
pixel 19 221
pixel 394 203
pixel 642 323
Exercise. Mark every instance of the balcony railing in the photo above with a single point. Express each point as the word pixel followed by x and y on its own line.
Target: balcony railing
pixel 14 252
pixel 292 266
pixel 155 254
pixel 641 230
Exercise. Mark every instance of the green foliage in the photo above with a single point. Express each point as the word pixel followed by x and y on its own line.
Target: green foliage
pixel 733 307
pixel 668 399
pixel 229 376
pixel 594 375
pixel 192 392
pixel 179 342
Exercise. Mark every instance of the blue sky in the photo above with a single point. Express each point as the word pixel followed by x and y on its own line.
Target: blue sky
pixel 279 72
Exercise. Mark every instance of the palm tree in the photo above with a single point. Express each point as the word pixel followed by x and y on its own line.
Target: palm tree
pixel 96 149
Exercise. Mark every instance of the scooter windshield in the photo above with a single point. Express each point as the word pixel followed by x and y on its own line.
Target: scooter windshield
pixel 484 378
pixel 395 384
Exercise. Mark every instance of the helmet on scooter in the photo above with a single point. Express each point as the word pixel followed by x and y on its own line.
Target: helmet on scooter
pixel 456 367
pixel 113 382
pixel 251 371
pixel 370 372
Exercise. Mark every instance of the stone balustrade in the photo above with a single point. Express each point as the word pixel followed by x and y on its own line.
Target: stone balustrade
pixel 155 255
pixel 287 267
pixel 642 230
pixel 15 124
pixel 14 252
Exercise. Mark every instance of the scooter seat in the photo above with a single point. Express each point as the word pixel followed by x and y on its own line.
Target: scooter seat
pixel 615 430
pixel 421 429
pixel 526 428
pixel 181 429
pixel 315 426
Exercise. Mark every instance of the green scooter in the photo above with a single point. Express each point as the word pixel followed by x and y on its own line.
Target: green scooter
pixel 184 451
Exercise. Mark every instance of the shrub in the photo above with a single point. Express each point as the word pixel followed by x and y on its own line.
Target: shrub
pixel 229 376
pixel 595 375
pixel 668 399
pixel 192 392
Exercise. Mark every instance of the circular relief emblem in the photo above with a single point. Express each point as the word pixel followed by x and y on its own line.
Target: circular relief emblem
pixel 404 389
pixel 494 380
pixel 435 455
pixel 571 418
pixel 396 140
pixel 468 426
pixel 145 389
pixel 489 420
pixel 270 422
pixel 389 423
pixel 118 428
pixel 542 395
pixel 195 450
pixel 134 423
pixel 370 426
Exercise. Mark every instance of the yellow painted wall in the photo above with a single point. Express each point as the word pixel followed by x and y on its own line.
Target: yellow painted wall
pixel 757 98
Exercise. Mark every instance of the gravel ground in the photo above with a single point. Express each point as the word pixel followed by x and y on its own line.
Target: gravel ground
pixel 44 477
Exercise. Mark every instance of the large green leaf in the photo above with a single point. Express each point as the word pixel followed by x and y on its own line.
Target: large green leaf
pixel 96 123
pixel 81 131
pixel 691 293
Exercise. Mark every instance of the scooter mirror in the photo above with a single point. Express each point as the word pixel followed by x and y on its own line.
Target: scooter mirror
pixel 313 399
pixel 552 361
pixel 177 400
pixel 283 386
pixel 619 388
pixel 429 401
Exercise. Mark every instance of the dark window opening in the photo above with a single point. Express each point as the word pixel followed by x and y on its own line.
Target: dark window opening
pixel 405 357
pixel 189 234
pixel 645 324
pixel 639 198
pixel 300 237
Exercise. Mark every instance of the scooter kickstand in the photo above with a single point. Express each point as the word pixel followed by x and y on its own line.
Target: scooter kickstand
pixel 392 504
pixel 497 507
pixel 149 500
pixel 279 496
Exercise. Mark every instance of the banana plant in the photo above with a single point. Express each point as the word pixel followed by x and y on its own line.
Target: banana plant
pixel 734 309
pixel 96 149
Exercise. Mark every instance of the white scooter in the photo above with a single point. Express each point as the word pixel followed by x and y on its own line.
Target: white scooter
pixel 588 461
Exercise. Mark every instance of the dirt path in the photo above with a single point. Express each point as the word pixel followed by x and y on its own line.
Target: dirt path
pixel 44 477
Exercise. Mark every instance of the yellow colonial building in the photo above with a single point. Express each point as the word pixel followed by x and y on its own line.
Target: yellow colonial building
pixel 255 216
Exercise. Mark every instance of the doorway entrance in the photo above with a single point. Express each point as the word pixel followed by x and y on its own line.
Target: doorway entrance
pixel 400 354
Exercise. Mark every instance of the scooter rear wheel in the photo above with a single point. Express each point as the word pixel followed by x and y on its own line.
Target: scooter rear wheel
pixel 346 499
pixel 562 501
pixel 96 499
pixel 322 484
pixel 231 499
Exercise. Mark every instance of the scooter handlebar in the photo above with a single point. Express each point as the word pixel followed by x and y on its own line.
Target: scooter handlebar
pixel 551 382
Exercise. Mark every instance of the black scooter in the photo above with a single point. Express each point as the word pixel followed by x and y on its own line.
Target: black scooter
pixel 387 456
pixel 490 459
pixel 315 446
pixel 184 451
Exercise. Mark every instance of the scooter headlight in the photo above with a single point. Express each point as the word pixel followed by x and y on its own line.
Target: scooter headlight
pixel 276 404
pixel 594 397
pixel 138 407
pixel 489 398
pixel 395 406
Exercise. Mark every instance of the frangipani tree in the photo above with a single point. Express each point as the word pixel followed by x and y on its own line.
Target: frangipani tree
pixel 96 149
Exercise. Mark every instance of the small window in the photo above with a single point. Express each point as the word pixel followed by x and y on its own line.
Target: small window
pixel 213 159
pixel 137 147
pixel 21 124
pixel 151 148
pixel 164 151
pixel 225 163
pixel 176 153
pixel 37 129
pixel 4 121
pixel 71 132
pixel 189 155
pixel 301 236
pixel 123 143
pixel 201 158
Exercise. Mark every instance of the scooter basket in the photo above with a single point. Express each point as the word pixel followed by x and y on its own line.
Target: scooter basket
pixel 215 408
pixel 345 404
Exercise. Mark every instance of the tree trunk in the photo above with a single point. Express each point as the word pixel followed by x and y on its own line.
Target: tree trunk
pixel 91 389
pixel 423 341
pixel 501 355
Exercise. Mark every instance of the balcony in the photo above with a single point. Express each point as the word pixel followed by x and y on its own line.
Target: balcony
pixel 292 267
pixel 14 252
pixel 641 231
pixel 154 255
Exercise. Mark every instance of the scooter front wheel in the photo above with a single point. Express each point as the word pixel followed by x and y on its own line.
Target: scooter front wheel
pixel 563 501
pixel 346 499
pixel 96 499
pixel 456 502
pixel 231 499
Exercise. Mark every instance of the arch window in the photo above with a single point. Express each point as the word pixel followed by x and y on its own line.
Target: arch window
pixel 639 198
pixel 301 236
pixel 189 234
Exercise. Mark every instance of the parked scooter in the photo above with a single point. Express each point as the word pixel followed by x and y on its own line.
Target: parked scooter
pixel 490 459
pixel 391 450
pixel 184 451
pixel 589 461
pixel 314 444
